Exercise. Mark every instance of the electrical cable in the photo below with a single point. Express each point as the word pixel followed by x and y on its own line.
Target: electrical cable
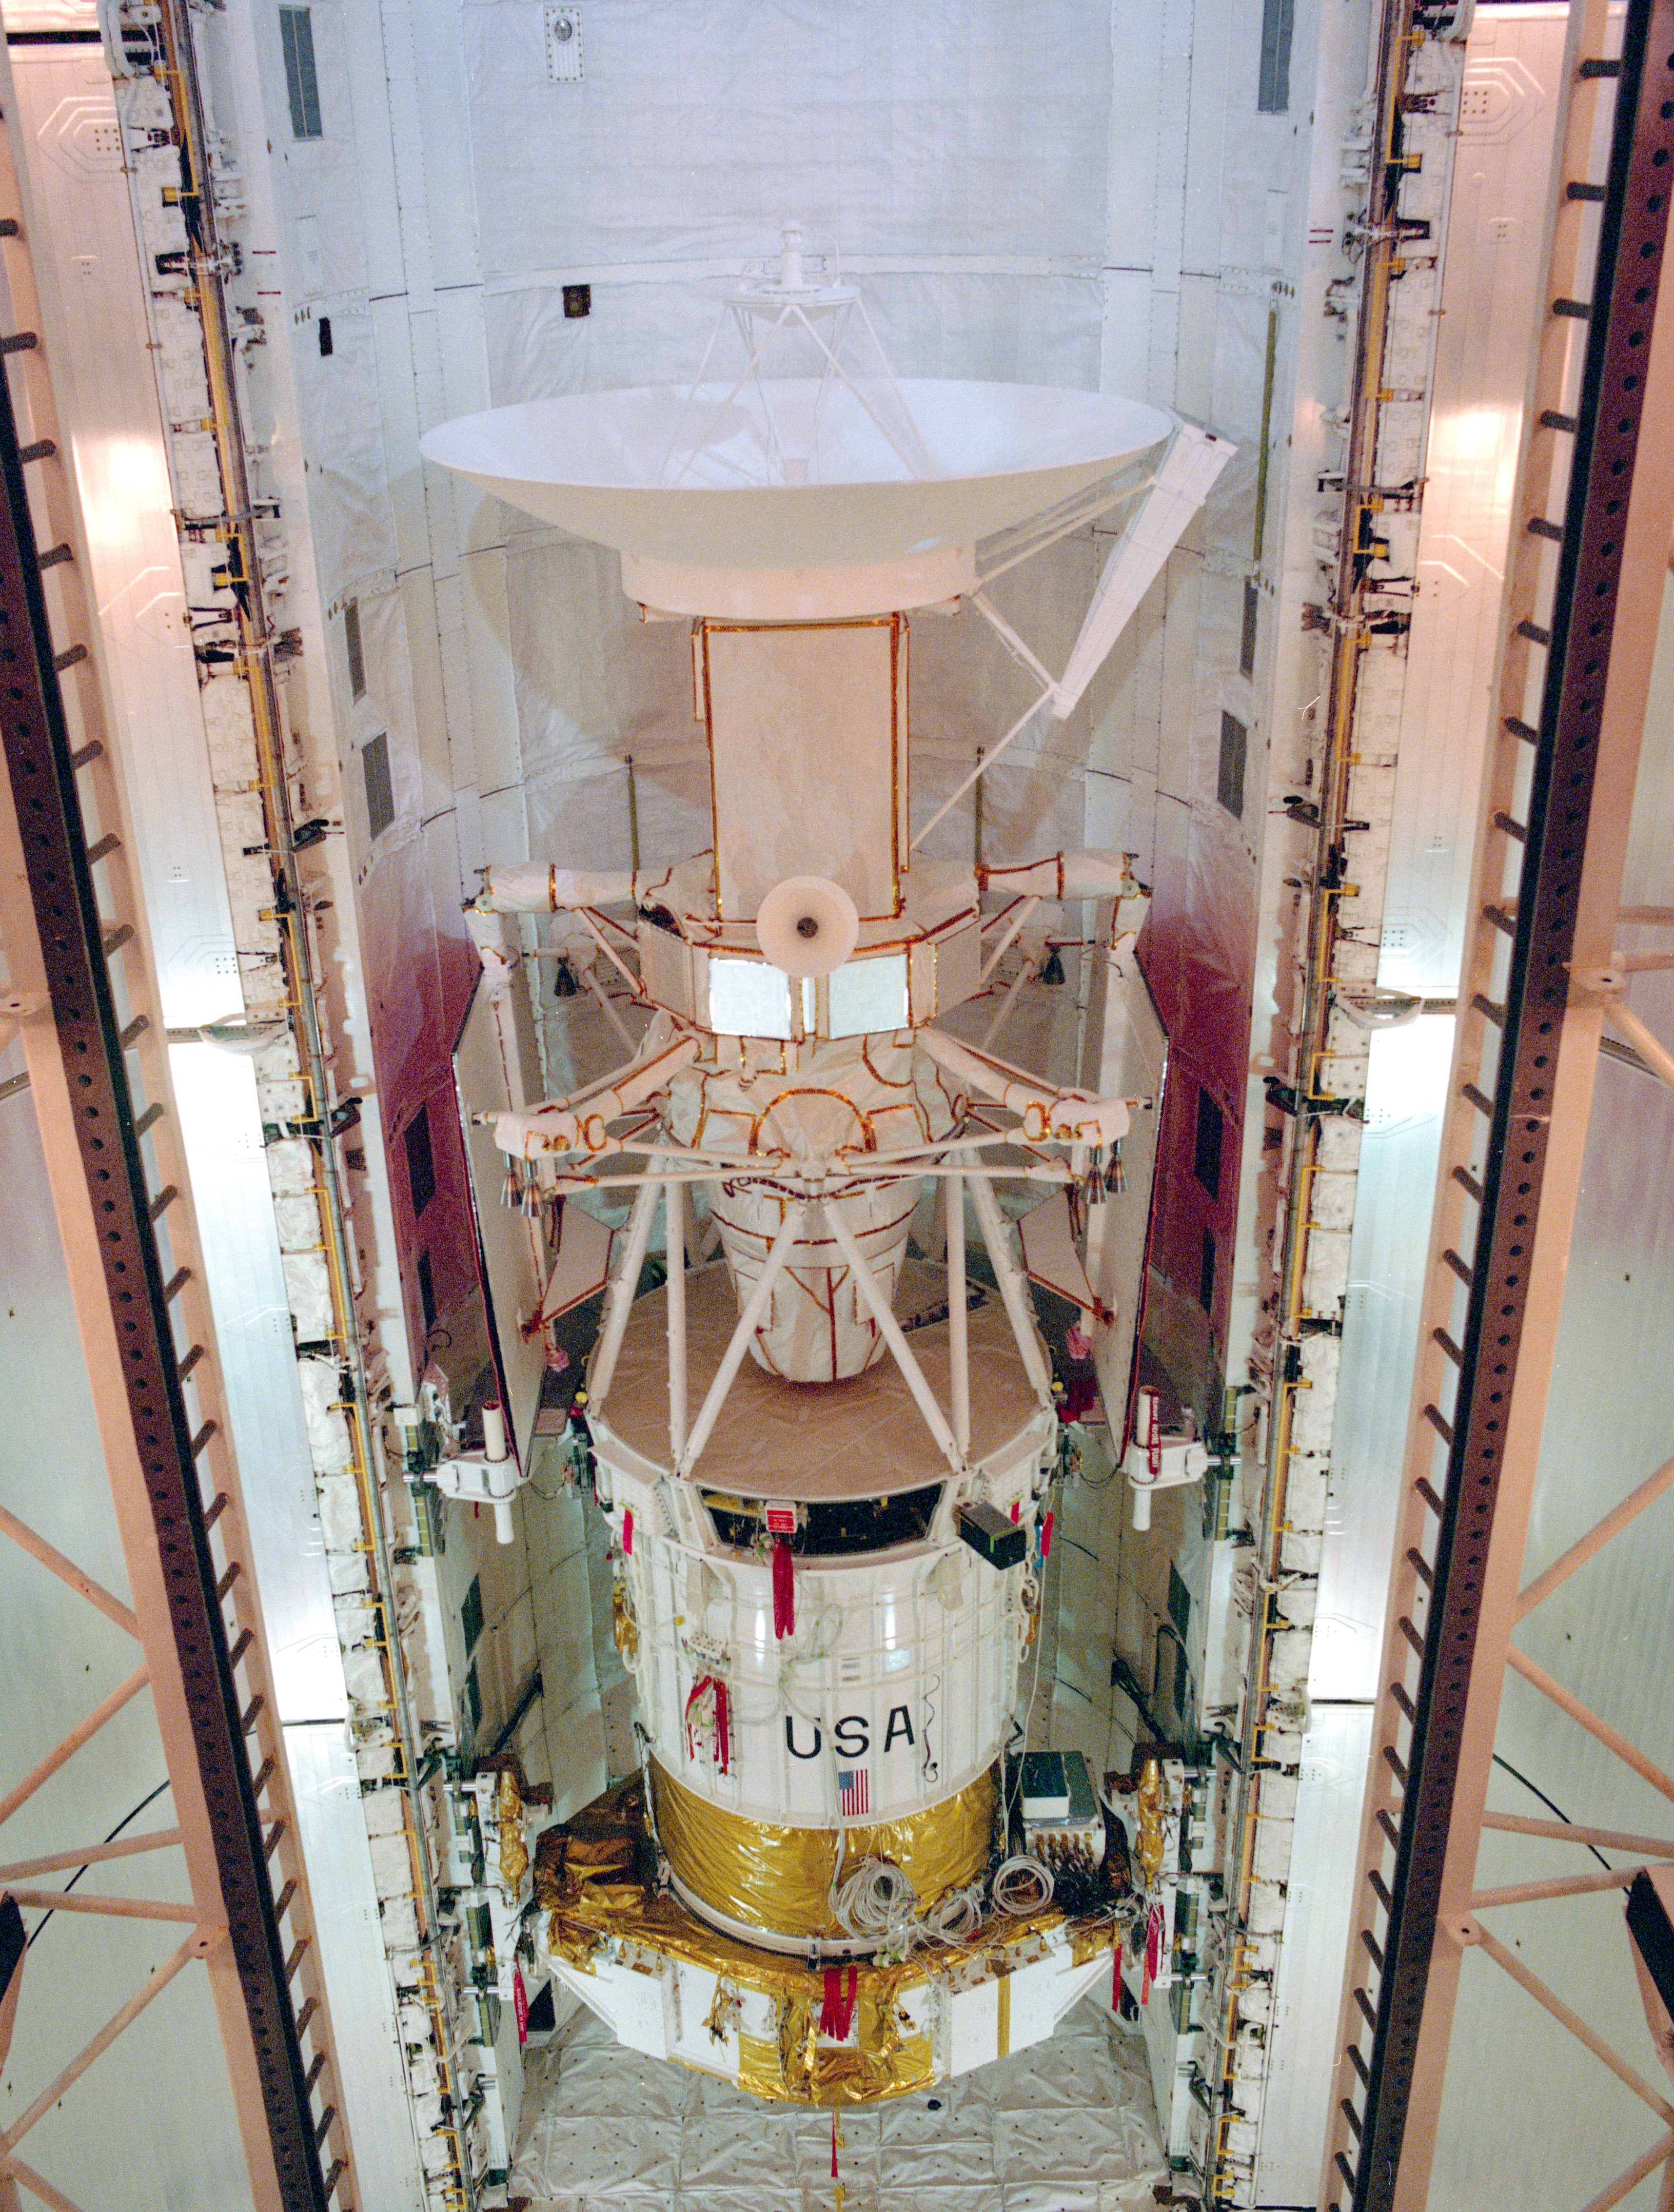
pixel 930 1767
pixel 1022 1727
pixel 1086 1481
pixel 956 1918
pixel 1548 1803
pixel 1021 1868
pixel 878 1899
pixel 110 1839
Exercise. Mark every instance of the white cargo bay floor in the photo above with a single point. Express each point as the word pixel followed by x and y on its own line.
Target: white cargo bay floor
pixel 1066 2126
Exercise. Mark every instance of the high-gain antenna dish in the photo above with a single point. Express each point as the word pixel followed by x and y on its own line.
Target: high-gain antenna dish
pixel 847 490
pixel 997 455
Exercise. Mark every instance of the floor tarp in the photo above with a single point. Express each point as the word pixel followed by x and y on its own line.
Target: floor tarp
pixel 1066 2126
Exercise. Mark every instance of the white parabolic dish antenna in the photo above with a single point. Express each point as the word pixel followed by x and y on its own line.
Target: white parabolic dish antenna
pixel 597 464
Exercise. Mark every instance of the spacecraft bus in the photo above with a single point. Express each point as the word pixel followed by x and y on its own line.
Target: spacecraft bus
pixel 825 1442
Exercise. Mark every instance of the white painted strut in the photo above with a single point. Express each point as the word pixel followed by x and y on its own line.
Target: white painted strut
pixel 618 1298
pixel 582 1124
pixel 959 1351
pixel 493 1480
pixel 1063 876
pixel 527 887
pixel 1026 909
pixel 789 1230
pixel 890 1330
pixel 674 1237
pixel 1013 1291
pixel 1152 531
pixel 1071 1117
pixel 1003 1011
pixel 1156 1460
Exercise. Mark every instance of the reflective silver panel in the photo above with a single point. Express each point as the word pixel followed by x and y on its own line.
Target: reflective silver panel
pixel 108 399
pixel 1406 1088
pixel 215 1093
pixel 327 1788
pixel 1307 1988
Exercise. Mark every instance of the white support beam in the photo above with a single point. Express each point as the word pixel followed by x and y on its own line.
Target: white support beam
pixel 1014 1289
pixel 1596 1538
pixel 68 1572
pixel 1572 1885
pixel 86 1854
pixel 1584 1717
pixel 618 1299
pixel 673 1236
pixel 789 1230
pixel 197 1946
pixel 959 1337
pixel 1625 2183
pixel 12 2170
pixel 1480 1938
pixel 1150 533
pixel 1571 1831
pixel 1016 923
pixel 112 1908
pixel 1628 1025
pixel 45 1769
pixel 889 1329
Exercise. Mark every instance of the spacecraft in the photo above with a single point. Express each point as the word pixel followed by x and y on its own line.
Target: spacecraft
pixel 826 1439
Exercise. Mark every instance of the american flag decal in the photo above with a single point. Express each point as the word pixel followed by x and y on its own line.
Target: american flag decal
pixel 854 1795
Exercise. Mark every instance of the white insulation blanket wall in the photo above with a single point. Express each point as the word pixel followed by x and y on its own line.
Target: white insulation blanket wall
pixel 1067 2126
pixel 1080 194
pixel 924 130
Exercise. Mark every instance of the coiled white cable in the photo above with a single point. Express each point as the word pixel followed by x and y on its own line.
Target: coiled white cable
pixel 1021 1886
pixel 955 1919
pixel 877 1901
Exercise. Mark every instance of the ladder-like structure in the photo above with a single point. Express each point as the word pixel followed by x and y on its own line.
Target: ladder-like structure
pixel 1583 599
pixel 82 993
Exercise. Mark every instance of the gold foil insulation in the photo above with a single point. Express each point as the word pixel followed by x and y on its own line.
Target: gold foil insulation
pixel 623 1626
pixel 1149 1844
pixel 780 1878
pixel 594 1878
pixel 888 2058
pixel 513 1851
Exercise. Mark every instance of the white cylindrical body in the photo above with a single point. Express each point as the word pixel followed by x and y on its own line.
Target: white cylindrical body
pixel 883 1674
pixel 888 1699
